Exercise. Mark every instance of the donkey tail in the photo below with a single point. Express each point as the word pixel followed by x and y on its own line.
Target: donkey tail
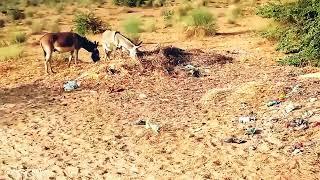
pixel 44 52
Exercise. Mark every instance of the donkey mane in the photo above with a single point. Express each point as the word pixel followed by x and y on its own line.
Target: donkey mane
pixel 85 43
pixel 117 32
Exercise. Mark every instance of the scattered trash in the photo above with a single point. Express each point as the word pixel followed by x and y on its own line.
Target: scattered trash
pixel 298 124
pixel 316 124
pixel 70 85
pixel 149 125
pixel 140 122
pixel 291 107
pixel 194 71
pixel 252 131
pixel 273 102
pixel 297 148
pixel 282 97
pixel 235 140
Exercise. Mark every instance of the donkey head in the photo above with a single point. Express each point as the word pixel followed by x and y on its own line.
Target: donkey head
pixel 95 52
pixel 134 51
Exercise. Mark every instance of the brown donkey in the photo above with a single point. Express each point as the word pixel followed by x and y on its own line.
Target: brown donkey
pixel 67 42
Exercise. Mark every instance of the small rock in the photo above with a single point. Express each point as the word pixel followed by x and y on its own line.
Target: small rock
pixel 142 96
pixel 313 99
pixel 235 140
pixel 246 119
pixel 71 171
pixel 291 107
pixel 296 152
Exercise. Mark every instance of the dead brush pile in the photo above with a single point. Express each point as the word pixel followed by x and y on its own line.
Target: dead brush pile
pixel 172 60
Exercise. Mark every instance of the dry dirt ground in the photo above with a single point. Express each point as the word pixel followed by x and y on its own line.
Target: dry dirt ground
pixel 91 133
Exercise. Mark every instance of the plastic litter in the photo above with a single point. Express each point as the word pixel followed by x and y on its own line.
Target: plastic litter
pixel 252 131
pixel 149 125
pixel 298 124
pixel 194 71
pixel 71 85
pixel 273 102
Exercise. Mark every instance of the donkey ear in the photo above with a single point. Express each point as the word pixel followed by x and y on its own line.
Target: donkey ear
pixel 139 43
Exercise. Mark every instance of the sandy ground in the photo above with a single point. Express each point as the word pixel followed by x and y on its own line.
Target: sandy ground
pixel 91 133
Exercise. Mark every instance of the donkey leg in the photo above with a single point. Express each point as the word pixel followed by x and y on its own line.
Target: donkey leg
pixel 48 62
pixel 51 66
pixel 70 58
pixel 76 57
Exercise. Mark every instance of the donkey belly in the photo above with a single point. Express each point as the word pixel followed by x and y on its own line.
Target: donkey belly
pixel 64 49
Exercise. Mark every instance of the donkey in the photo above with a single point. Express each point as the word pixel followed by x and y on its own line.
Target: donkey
pixel 67 42
pixel 115 38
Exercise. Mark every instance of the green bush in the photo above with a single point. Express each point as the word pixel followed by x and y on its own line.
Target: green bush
pixel 202 20
pixel 87 23
pixel 299 34
pixel 132 28
pixel 18 38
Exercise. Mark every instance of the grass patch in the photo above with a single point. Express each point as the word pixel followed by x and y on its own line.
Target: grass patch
pixel 200 22
pixel 167 17
pixel 150 26
pixel 11 52
pixel 132 27
pixel 37 26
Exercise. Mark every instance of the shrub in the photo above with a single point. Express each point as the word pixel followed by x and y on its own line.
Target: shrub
pixel 10 52
pixel 167 17
pixel 18 37
pixel 136 3
pixel 2 23
pixel 132 28
pixel 299 34
pixel 202 22
pixel 37 27
pixel 87 23
pixel 16 14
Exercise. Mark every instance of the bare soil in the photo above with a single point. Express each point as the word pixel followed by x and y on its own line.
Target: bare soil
pixel 91 133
